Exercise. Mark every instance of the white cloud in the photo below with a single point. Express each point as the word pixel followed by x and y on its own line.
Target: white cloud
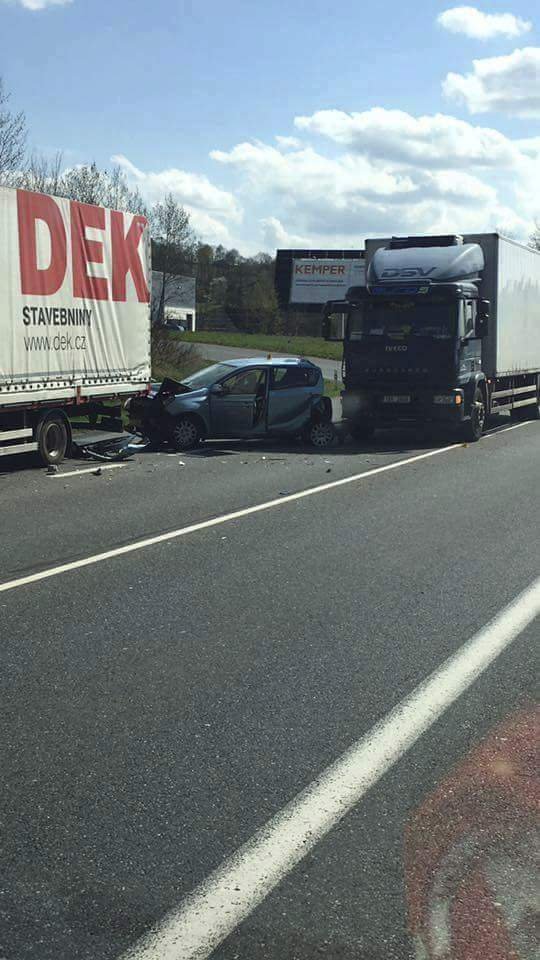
pixel 318 200
pixel 40 4
pixel 398 137
pixel 371 174
pixel 509 84
pixel 307 172
pixel 478 25
pixel 212 210
pixel 288 143
pixel 275 235
pixel 529 146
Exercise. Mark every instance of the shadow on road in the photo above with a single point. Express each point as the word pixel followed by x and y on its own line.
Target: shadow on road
pixel 398 440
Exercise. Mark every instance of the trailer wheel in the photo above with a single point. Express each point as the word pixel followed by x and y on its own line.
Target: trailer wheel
pixel 53 439
pixel 474 428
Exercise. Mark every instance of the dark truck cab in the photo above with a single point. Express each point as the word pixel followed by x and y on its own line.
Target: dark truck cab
pixel 413 340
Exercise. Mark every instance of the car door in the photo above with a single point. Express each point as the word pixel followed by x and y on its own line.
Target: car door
pixel 240 409
pixel 290 398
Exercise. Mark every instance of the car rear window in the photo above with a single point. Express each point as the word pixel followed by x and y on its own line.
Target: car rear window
pixel 286 378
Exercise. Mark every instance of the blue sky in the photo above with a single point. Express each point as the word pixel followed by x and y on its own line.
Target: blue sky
pixel 391 125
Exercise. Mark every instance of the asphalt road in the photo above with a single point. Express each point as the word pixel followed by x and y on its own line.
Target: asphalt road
pixel 161 705
pixel 217 353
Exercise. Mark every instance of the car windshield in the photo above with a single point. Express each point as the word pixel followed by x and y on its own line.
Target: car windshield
pixel 208 376
pixel 400 319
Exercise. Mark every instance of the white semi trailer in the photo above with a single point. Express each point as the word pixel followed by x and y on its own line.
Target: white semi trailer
pixel 74 317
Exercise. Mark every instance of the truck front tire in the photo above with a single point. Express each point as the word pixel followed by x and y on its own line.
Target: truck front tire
pixel 53 439
pixel 475 426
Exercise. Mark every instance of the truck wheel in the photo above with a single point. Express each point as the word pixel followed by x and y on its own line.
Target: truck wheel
pixel 53 439
pixel 474 428
pixel 185 434
pixel 362 432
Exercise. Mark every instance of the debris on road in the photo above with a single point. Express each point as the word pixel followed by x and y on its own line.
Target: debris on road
pixel 111 448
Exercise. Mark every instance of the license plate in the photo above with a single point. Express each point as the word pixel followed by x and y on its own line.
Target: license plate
pixel 396 398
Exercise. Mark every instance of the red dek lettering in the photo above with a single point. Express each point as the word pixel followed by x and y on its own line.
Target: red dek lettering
pixel 45 281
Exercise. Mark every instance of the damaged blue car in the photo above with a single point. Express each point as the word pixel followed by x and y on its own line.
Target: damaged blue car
pixel 244 399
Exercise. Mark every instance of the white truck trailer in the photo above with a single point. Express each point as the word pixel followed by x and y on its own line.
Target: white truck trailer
pixel 74 317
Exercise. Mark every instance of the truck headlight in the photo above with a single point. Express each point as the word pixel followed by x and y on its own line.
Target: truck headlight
pixel 450 399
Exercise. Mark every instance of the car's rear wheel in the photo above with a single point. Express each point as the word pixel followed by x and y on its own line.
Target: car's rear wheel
pixel 320 433
pixel 185 433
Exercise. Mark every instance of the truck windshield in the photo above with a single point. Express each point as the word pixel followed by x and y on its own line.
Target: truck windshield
pixel 403 318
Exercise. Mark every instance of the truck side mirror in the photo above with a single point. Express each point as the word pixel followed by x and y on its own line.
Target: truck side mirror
pixel 482 318
pixel 333 327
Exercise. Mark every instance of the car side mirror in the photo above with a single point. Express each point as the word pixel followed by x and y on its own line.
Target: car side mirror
pixel 217 390
pixel 482 319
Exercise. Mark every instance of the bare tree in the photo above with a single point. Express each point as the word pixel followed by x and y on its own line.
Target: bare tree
pixel 534 240
pixel 174 247
pixel 12 138
pixel 85 183
pixel 43 174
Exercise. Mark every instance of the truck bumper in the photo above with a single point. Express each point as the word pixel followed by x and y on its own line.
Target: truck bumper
pixel 399 405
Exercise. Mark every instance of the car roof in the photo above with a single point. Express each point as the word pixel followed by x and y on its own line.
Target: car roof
pixel 270 362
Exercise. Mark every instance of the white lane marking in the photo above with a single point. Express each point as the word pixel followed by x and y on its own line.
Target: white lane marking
pixel 498 430
pixel 216 521
pixel 79 473
pixel 215 908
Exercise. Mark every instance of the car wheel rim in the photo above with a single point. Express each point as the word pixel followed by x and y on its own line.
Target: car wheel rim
pixel 185 432
pixel 321 434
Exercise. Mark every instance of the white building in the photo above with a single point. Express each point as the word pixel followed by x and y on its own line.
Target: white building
pixel 180 298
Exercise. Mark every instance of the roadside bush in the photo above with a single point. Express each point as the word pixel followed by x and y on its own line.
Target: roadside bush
pixel 172 357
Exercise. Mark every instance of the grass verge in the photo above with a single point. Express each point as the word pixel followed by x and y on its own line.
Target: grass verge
pixel 301 346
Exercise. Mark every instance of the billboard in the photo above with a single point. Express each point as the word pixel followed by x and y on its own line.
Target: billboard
pixel 319 280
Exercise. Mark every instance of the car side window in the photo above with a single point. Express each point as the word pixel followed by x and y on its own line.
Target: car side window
pixel 247 382
pixel 286 378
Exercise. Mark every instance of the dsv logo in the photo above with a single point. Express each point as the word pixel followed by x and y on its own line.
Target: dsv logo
pixel 391 273
pixel 399 349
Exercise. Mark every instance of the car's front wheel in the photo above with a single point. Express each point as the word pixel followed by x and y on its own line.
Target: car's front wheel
pixel 185 433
